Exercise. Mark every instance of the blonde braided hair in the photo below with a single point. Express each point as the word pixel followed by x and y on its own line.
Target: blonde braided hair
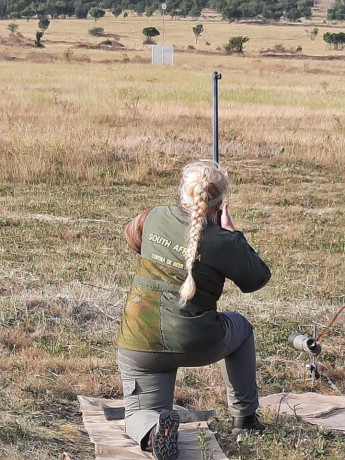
pixel 203 187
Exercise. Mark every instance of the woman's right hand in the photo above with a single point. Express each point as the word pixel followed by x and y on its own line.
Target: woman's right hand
pixel 225 220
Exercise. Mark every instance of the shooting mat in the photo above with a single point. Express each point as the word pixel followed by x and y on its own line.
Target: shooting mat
pixel 323 410
pixel 103 420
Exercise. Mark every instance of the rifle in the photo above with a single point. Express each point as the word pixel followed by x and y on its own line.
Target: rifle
pixel 215 77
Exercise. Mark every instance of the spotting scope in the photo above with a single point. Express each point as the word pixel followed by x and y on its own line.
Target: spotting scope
pixel 304 343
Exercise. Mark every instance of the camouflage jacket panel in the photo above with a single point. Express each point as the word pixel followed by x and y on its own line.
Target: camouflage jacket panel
pixel 153 319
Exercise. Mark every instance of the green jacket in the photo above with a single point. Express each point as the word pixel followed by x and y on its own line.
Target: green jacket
pixel 152 318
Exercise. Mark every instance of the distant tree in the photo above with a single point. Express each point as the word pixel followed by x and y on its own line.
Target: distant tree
pixel 28 12
pixel 292 14
pixel 12 27
pixel 186 6
pixel 236 45
pixel 15 15
pixel 198 30
pixel 149 10
pixel 337 13
pixel 269 10
pixel 327 39
pixel 305 10
pixel 69 10
pixel 43 23
pixel 337 40
pixel 272 11
pixel 81 10
pixel 195 12
pixel 231 11
pixel 42 10
pixel 149 33
pixel 116 12
pixel 139 8
pixel 3 10
pixel 60 8
pixel 250 9
pixel 39 35
pixel 96 13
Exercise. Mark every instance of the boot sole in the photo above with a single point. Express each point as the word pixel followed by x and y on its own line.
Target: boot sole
pixel 165 440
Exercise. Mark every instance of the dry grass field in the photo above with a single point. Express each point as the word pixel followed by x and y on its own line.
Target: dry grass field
pixel 90 136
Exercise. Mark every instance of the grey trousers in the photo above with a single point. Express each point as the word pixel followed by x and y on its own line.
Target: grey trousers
pixel 148 378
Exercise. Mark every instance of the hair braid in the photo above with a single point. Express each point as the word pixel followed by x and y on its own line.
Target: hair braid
pixel 203 186
pixel 197 222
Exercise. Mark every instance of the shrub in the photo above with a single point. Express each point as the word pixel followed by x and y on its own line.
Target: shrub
pixel 236 44
pixel 106 42
pixel 68 55
pixel 12 27
pixel 97 31
pixel 280 48
pixel 149 41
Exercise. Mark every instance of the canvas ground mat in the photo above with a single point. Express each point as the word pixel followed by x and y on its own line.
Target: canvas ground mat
pixel 323 410
pixel 104 421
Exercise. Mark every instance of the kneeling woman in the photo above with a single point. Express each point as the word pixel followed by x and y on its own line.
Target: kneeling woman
pixel 170 319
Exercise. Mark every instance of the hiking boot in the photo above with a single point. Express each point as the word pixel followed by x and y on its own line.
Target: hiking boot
pixel 250 423
pixel 163 437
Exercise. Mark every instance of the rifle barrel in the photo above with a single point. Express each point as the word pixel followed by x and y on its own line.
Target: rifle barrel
pixel 216 76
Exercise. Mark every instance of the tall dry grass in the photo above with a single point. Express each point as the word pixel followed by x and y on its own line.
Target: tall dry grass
pixel 71 121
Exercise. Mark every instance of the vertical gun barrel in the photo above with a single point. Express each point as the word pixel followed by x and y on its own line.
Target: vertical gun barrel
pixel 216 76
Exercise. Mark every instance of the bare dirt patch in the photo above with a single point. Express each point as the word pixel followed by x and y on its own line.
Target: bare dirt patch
pixel 105 44
pixel 16 40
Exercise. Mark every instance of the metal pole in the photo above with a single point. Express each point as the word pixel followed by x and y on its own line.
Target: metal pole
pixel 216 76
pixel 313 360
pixel 163 27
pixel 164 7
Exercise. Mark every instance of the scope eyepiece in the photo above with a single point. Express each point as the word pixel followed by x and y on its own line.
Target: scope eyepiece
pixel 304 343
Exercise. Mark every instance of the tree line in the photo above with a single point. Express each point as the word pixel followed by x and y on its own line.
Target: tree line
pixel 231 10
pixel 337 13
